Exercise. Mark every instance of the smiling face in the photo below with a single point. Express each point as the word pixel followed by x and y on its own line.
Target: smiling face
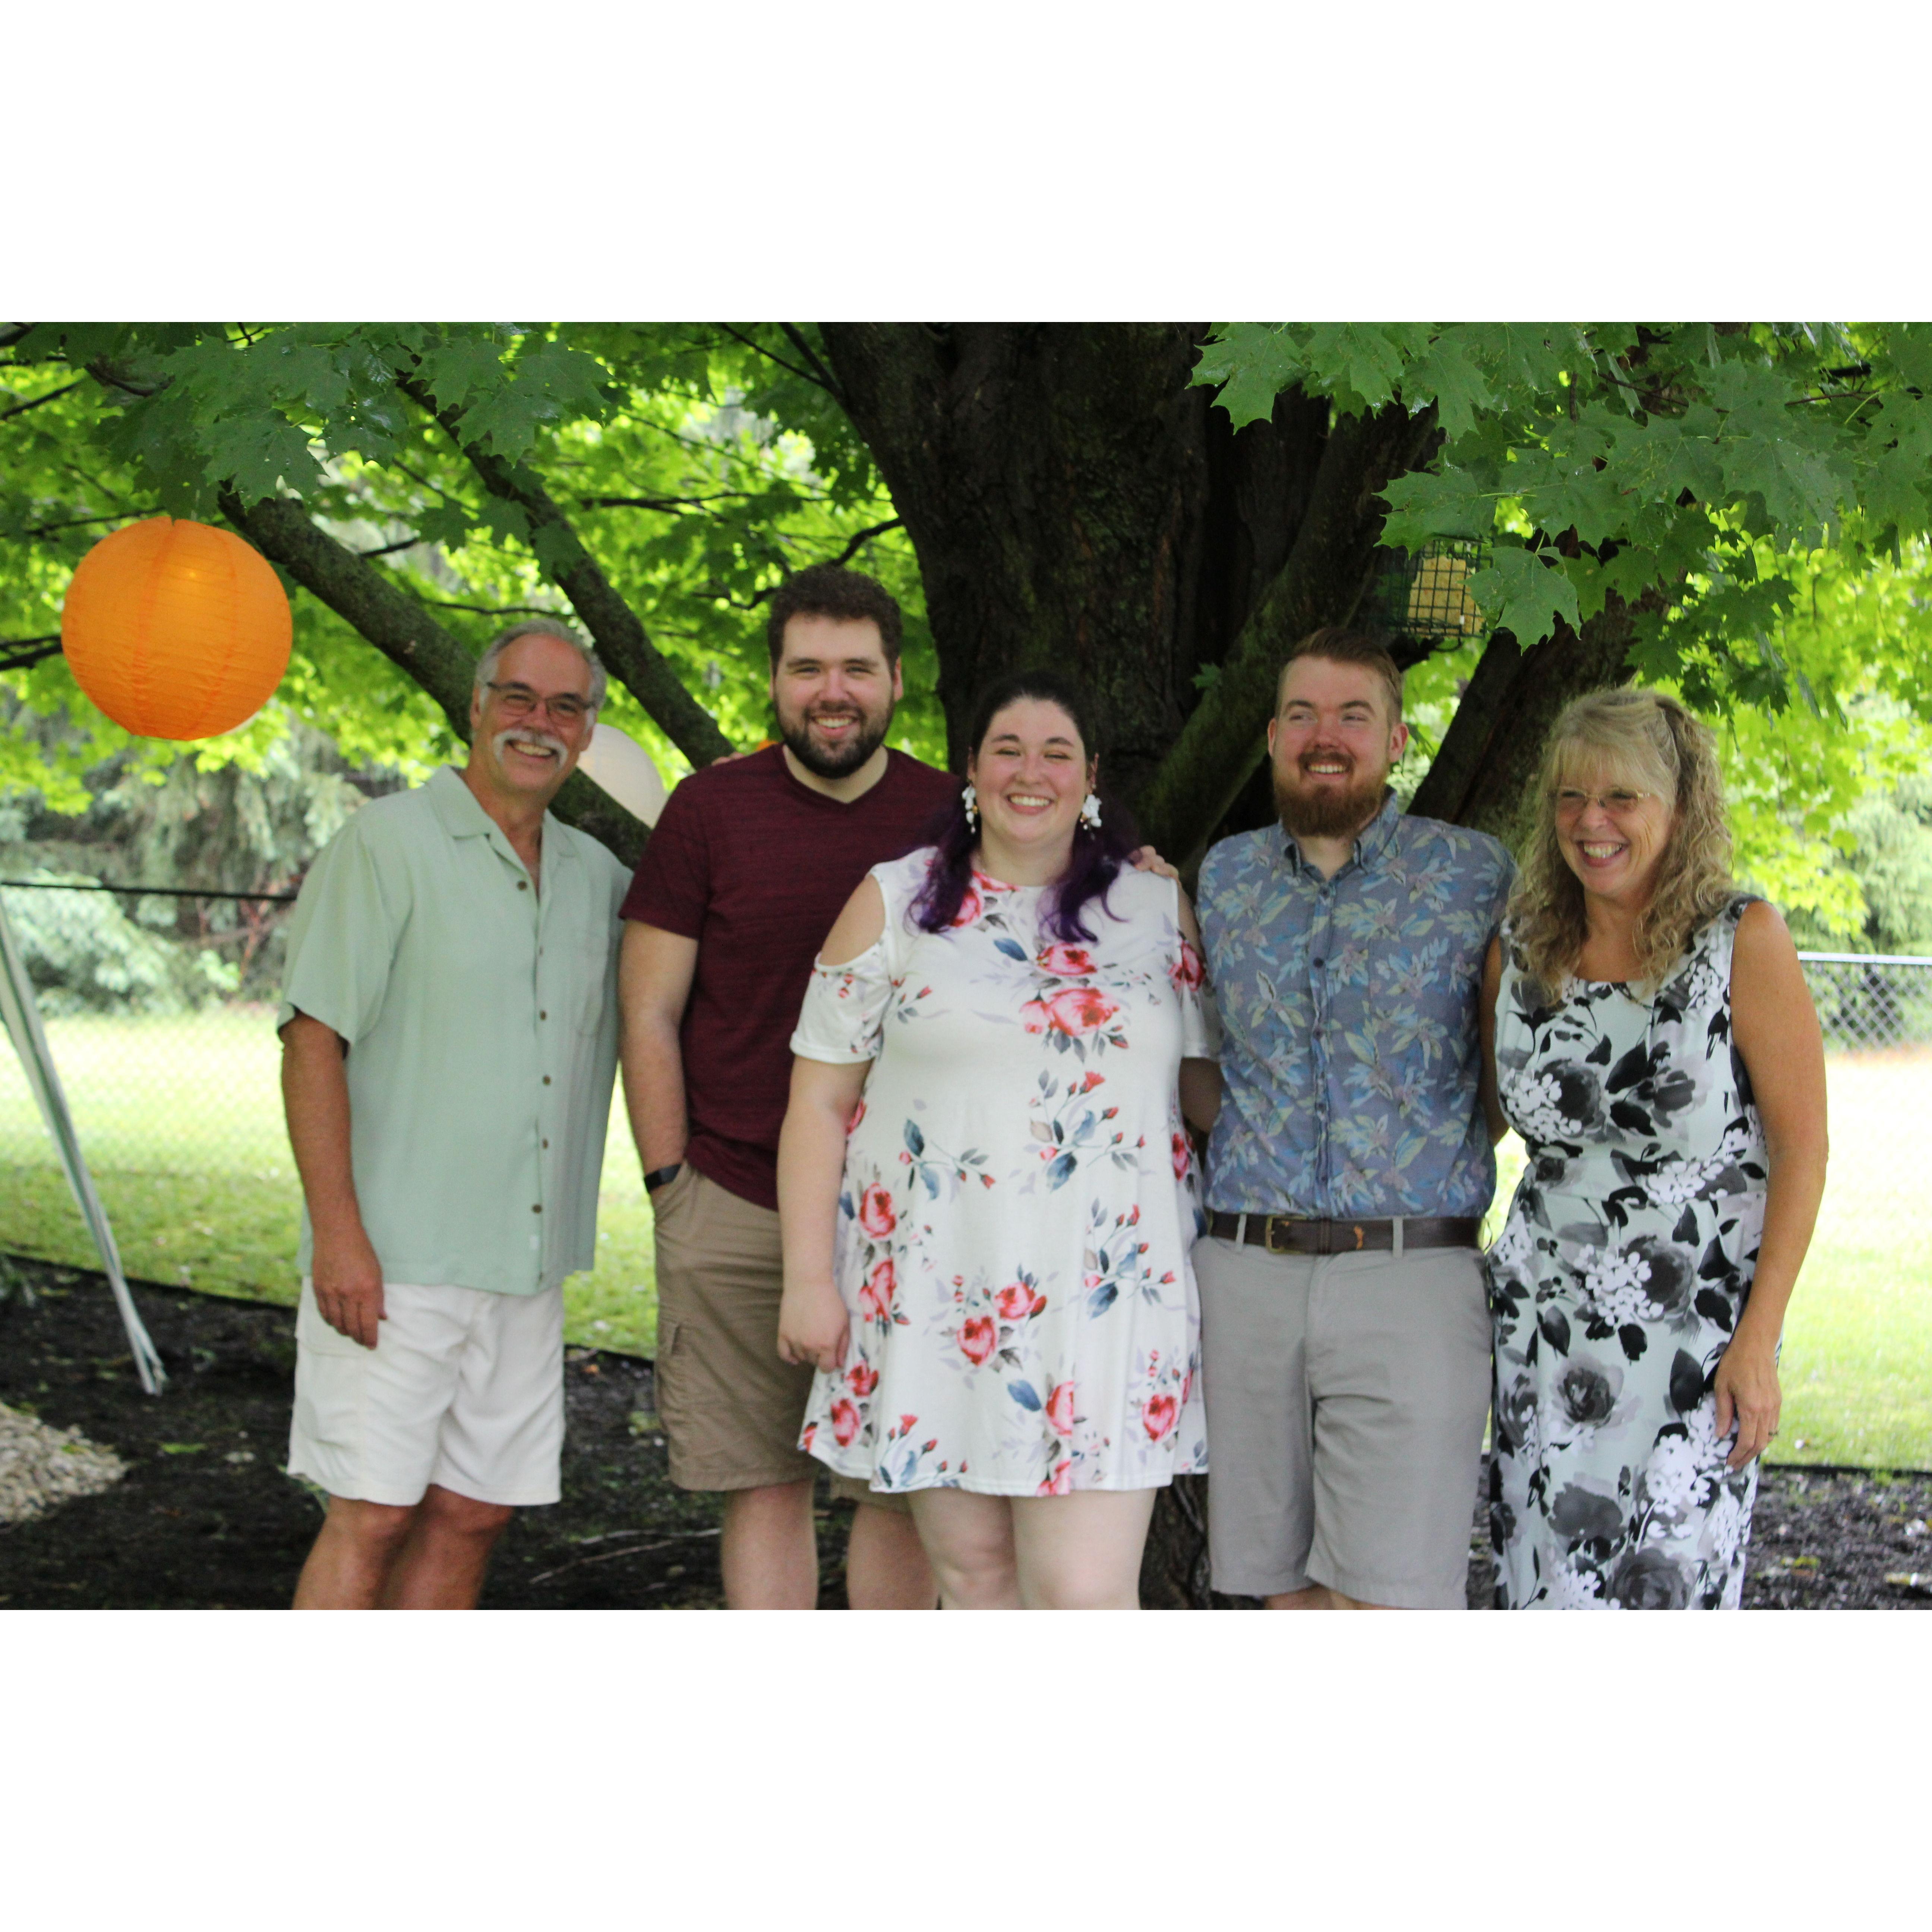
pixel 1032 774
pixel 529 756
pixel 1333 741
pixel 833 691
pixel 1612 826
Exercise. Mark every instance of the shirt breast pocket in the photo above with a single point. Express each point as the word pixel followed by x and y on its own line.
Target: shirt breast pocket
pixel 593 985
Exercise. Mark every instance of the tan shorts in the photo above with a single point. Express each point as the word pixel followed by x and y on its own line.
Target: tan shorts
pixel 1346 1400
pixel 732 1411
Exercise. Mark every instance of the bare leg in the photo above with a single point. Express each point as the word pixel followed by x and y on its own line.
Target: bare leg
pixel 969 1542
pixel 1316 1597
pixel 1081 1552
pixel 886 1567
pixel 770 1550
pixel 441 1564
pixel 350 1563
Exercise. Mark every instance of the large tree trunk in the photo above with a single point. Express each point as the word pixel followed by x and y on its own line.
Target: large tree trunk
pixel 1074 503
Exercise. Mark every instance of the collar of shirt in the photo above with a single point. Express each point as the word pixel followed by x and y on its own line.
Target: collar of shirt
pixel 462 816
pixel 1371 842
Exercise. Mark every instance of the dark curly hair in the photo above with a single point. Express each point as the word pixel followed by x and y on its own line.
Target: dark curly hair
pixel 830 590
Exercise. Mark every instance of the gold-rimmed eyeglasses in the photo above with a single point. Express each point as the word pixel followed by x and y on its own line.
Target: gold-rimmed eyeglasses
pixel 519 701
pixel 1619 801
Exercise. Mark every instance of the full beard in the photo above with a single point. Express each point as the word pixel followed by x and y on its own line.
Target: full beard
pixel 1331 811
pixel 834 761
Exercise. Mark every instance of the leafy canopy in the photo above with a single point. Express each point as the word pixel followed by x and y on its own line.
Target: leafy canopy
pixel 697 464
pixel 1690 470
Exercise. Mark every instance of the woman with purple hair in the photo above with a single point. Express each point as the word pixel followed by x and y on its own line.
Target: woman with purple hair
pixel 986 1190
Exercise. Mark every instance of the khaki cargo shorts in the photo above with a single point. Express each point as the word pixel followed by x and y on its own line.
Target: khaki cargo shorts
pixel 731 1410
pixel 1345 1398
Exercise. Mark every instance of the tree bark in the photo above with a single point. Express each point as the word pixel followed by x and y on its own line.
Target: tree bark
pixel 1484 774
pixel 1075 502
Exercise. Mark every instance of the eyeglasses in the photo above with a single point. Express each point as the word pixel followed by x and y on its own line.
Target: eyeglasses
pixel 1619 801
pixel 519 700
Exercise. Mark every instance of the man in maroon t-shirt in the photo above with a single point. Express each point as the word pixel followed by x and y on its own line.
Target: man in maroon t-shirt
pixel 745 874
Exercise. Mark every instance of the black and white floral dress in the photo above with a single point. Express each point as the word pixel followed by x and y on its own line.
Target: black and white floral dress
pixel 1615 1285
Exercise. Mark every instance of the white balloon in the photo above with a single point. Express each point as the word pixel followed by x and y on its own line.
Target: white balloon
pixel 616 761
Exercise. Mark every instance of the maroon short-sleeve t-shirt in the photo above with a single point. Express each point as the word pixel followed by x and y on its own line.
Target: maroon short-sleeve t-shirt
pixel 756 867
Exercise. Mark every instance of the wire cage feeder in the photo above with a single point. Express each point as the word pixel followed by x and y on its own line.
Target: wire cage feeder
pixel 1423 596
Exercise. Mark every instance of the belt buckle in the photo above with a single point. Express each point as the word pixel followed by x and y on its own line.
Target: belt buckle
pixel 1286 1225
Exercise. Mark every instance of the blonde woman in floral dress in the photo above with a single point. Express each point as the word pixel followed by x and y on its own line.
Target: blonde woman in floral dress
pixel 985 1188
pixel 1647 1031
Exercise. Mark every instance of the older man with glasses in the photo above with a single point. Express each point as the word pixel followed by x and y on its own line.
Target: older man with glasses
pixel 449 1041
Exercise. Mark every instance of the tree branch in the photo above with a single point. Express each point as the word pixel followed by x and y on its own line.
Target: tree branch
pixel 406 634
pixel 1221 741
pixel 822 375
pixel 15 332
pixel 21 653
pixel 52 396
pixel 620 637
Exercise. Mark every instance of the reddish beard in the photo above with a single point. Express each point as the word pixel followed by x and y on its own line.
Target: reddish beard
pixel 1327 811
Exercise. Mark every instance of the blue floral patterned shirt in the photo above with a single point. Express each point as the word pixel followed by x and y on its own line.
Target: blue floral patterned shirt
pixel 1348 1008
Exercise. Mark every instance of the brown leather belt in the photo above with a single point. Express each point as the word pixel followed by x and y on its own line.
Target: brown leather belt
pixel 1286 1234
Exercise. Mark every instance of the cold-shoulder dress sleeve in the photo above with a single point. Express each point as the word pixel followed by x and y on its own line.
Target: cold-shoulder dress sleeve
pixel 1200 1019
pixel 844 1016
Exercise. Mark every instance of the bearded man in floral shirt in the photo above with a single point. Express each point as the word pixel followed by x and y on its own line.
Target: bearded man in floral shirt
pixel 1345 1340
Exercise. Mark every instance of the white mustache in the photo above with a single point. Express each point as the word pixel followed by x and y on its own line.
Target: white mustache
pixel 525 734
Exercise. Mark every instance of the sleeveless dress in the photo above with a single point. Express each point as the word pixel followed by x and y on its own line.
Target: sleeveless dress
pixel 1615 1285
pixel 1019 1199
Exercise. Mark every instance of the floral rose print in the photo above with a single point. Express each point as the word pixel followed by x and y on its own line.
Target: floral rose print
pixel 1059 1409
pixel 1073 1010
pixel 1615 1286
pixel 875 1213
pixel 1066 962
pixel 978 1337
pixel 875 1293
pixel 1018 1206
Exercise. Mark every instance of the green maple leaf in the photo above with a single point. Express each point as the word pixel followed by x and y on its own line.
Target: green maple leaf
pixel 1519 592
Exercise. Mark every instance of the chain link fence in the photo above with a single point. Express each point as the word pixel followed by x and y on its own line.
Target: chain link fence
pixel 160 1010
pixel 1870 1000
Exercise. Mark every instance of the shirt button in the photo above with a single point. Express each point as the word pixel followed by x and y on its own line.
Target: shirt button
pixel 546 1143
pixel 1317 964
pixel 543 1016
pixel 537 1208
pixel 522 885
pixel 546 1079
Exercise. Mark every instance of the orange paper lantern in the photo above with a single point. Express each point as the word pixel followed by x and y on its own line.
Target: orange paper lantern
pixel 176 629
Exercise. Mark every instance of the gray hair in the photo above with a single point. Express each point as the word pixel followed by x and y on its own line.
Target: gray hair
pixel 543 627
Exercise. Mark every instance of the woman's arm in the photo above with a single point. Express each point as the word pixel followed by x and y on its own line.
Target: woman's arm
pixel 812 1325
pixel 812 1322
pixel 1775 1029
pixel 1486 1027
pixel 1200 1079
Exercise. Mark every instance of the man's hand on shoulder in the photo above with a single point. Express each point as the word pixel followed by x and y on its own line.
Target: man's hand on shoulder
pixel 1147 859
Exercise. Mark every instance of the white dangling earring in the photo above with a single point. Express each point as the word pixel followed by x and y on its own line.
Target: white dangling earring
pixel 1090 812
pixel 969 798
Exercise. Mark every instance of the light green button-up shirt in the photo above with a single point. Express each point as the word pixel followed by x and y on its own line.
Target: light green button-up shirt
pixel 481 1019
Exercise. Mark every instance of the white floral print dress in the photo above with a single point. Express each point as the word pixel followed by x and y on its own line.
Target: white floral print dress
pixel 1615 1285
pixel 1019 1199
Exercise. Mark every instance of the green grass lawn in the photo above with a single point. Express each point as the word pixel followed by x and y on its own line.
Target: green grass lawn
pixel 181 1122
pixel 180 1119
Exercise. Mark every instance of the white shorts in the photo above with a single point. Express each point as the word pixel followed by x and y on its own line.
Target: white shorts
pixel 464 1389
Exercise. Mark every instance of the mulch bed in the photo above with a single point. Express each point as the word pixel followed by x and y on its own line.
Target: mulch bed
pixel 205 1518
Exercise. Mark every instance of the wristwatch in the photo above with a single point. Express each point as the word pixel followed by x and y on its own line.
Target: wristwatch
pixel 661 1177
